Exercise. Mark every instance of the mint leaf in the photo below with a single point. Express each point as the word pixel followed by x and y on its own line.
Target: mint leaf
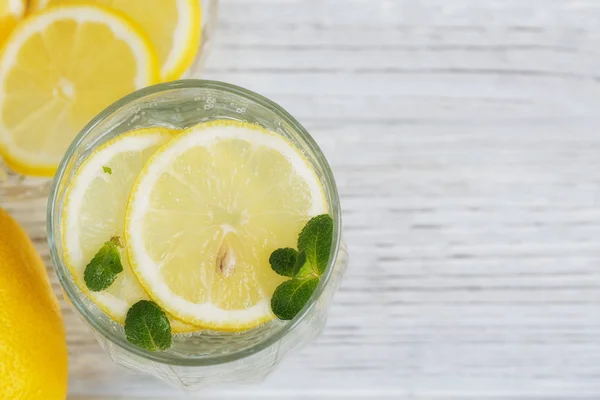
pixel 305 266
pixel 303 269
pixel 102 271
pixel 107 170
pixel 147 326
pixel 315 239
pixel 289 297
pixel 283 261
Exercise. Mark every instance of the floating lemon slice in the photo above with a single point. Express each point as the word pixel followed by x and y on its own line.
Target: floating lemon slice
pixel 58 69
pixel 173 26
pixel 94 212
pixel 206 213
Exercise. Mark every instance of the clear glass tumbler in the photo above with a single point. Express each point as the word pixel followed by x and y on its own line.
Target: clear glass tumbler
pixel 206 357
pixel 16 188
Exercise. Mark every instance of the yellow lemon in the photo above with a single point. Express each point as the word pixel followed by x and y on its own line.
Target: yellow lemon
pixel 173 26
pixel 33 353
pixel 58 69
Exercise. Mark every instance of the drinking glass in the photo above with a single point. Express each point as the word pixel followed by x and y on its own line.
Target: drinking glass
pixel 205 357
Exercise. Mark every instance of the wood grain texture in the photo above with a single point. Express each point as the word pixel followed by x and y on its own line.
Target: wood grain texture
pixel 464 138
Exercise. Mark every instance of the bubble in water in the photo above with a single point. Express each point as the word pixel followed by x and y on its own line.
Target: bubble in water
pixel 184 335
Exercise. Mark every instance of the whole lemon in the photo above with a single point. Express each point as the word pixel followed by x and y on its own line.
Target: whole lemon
pixel 33 352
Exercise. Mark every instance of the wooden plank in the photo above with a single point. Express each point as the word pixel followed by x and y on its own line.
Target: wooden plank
pixel 464 140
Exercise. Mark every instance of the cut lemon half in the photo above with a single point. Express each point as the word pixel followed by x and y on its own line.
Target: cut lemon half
pixel 94 212
pixel 58 69
pixel 206 213
pixel 173 26
pixel 11 11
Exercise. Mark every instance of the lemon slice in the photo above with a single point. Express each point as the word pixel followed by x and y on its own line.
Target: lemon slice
pixel 94 212
pixel 58 69
pixel 173 26
pixel 206 213
pixel 10 13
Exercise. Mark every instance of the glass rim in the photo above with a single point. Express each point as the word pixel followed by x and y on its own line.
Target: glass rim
pixel 70 288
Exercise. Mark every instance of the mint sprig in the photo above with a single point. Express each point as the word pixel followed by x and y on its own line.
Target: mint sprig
pixel 102 271
pixel 314 248
pixel 283 261
pixel 315 240
pixel 147 326
pixel 292 295
pixel 303 268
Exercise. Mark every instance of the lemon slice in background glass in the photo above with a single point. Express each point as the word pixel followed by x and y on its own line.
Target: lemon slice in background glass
pixel 11 11
pixel 58 69
pixel 205 214
pixel 94 212
pixel 173 26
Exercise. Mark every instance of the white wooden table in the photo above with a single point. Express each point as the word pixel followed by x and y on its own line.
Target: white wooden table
pixel 465 139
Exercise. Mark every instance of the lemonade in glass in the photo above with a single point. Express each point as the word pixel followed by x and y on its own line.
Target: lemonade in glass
pixel 196 227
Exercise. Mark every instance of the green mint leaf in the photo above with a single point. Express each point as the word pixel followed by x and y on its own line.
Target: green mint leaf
pixel 315 239
pixel 289 297
pixel 107 170
pixel 303 268
pixel 283 261
pixel 147 326
pixel 102 271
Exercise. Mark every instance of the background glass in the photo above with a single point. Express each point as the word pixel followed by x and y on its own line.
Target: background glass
pixel 203 358
pixel 14 187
